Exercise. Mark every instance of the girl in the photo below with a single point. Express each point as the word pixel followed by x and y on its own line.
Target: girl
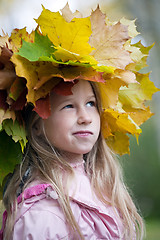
pixel 72 186
pixel 85 89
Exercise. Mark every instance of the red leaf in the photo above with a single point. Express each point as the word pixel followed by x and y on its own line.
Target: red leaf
pixel 43 107
pixel 17 88
pixel 64 88
pixel 20 102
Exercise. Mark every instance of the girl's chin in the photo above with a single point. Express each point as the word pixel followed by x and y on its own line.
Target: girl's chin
pixel 76 151
pixel 74 154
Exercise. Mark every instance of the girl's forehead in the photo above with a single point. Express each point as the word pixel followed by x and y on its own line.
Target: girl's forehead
pixel 82 86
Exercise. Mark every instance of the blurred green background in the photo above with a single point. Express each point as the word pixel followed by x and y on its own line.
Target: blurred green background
pixel 142 167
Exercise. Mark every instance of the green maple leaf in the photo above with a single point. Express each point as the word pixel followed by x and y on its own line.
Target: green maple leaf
pixel 15 130
pixel 10 155
pixel 42 47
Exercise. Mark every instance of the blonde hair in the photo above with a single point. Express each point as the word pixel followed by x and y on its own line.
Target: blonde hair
pixel 46 163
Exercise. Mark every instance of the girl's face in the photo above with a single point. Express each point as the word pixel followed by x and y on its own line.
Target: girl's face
pixel 74 124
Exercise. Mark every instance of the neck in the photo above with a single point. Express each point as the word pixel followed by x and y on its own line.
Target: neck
pixel 72 157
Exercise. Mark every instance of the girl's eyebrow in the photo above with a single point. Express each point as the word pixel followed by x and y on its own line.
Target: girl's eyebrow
pixel 64 101
pixel 91 96
pixel 71 97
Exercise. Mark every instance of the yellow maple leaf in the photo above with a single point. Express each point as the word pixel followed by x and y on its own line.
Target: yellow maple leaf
pixel 65 55
pixel 108 41
pixel 136 53
pixel 16 38
pixel 139 116
pixel 115 127
pixel 125 76
pixel 139 54
pixel 132 31
pixel 110 91
pixel 74 36
pixel 26 69
pixel 45 89
pixel 147 86
pixel 137 93
pixel 30 71
pixel 119 143
pixel 132 96
pixel 119 122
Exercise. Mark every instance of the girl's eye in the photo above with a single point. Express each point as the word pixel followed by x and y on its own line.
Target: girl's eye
pixel 91 104
pixel 68 106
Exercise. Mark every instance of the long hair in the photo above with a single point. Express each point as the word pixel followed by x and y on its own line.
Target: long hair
pixel 44 162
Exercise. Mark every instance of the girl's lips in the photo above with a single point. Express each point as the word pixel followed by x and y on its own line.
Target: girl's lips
pixel 83 133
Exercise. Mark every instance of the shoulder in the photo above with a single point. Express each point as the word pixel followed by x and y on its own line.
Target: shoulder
pixel 41 221
pixel 40 216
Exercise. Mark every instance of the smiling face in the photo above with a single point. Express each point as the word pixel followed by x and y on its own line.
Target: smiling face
pixel 74 124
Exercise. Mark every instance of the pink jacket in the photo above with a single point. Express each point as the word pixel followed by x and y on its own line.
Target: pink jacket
pixel 40 217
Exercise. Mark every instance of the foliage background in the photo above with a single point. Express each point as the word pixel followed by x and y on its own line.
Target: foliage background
pixel 142 167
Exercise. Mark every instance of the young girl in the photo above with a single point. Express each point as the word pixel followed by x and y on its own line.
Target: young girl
pixel 73 187
pixel 69 184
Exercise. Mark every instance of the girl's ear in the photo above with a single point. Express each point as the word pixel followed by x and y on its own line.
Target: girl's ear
pixel 38 127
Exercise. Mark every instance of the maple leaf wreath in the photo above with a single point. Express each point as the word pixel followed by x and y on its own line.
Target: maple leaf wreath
pixel 91 48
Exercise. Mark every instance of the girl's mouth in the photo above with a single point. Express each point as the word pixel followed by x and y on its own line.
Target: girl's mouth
pixel 83 133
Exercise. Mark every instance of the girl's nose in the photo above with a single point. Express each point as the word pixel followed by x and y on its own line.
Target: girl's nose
pixel 84 117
